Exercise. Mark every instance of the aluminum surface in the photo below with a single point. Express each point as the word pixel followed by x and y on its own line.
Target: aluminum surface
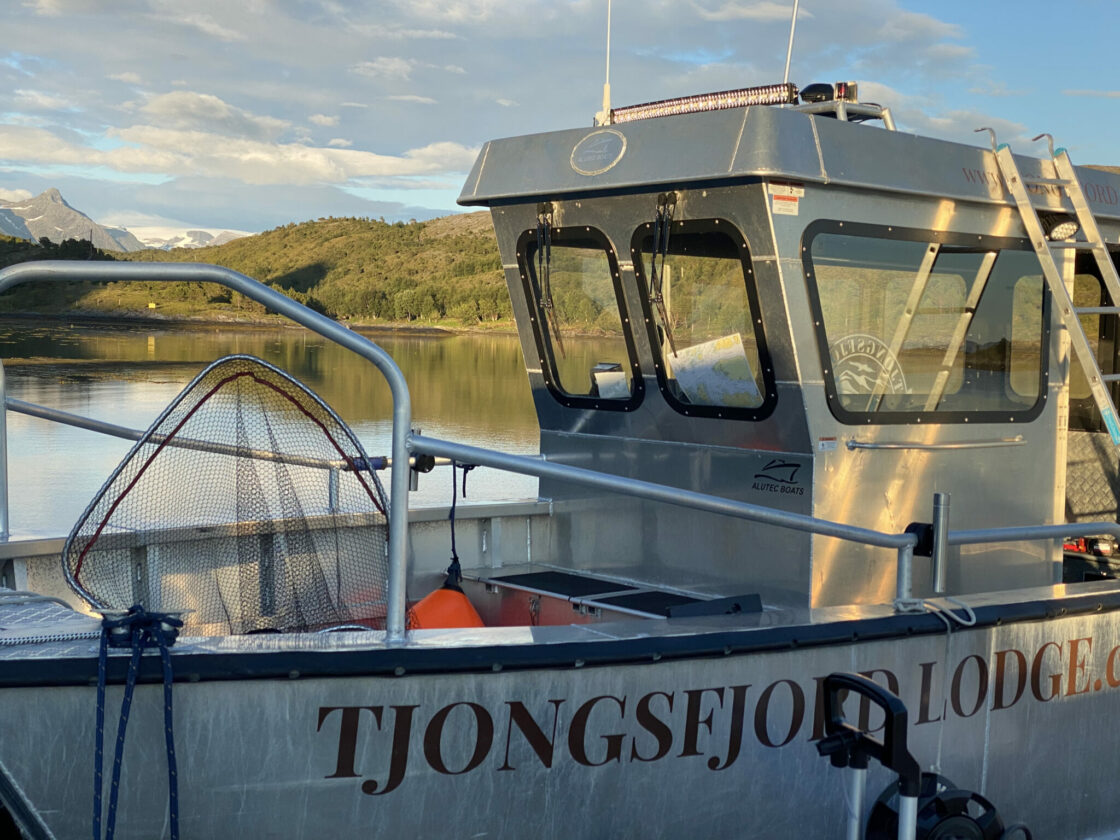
pixel 575 751
pixel 766 141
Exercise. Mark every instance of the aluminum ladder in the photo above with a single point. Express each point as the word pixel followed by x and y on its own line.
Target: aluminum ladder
pixel 1068 182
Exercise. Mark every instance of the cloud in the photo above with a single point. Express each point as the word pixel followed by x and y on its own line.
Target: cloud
pixel 764 10
pixel 55 8
pixel 411 34
pixel 177 152
pixel 915 26
pixel 204 24
pixel 39 101
pixel 206 112
pixel 323 120
pixel 398 69
pixel 506 103
pixel 992 87
pixel 407 97
pixel 339 143
pixel 1103 94
pixel 128 78
pixel 956 124
pixel 14 195
pixel 464 11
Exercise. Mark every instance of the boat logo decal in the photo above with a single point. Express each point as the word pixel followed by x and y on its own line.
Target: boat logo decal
pixel 779 476
pixel 863 364
pixel 598 151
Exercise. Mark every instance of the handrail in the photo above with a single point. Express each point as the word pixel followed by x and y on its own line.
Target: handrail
pixel 1034 532
pixel 78 421
pixel 1018 440
pixel 102 272
pixel 65 418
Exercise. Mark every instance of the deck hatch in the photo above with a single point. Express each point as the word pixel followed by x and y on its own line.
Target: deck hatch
pixel 562 583
pixel 655 603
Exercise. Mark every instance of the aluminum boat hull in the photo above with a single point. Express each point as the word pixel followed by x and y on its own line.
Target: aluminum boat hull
pixel 679 730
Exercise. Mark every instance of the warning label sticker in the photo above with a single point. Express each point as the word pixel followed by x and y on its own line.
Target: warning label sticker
pixel 785 205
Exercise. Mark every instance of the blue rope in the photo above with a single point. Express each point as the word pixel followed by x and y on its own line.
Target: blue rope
pixel 137 629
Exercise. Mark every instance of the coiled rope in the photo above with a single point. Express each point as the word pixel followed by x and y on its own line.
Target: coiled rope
pixel 137 629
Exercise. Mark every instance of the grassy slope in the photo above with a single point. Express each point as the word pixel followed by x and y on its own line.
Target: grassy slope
pixel 443 272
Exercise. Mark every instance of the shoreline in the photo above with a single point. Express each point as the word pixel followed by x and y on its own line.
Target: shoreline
pixel 90 319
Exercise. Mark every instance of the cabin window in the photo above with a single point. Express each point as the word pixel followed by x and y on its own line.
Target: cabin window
pixel 915 324
pixel 705 327
pixel 575 300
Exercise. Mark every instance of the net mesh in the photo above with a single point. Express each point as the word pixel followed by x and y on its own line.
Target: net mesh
pixel 249 503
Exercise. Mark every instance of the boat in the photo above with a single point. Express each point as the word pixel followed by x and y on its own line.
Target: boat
pixel 857 394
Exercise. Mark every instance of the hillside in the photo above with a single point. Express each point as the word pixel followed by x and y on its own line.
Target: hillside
pixel 441 272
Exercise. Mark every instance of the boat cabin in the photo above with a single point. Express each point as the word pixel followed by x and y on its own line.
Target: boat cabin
pixel 798 307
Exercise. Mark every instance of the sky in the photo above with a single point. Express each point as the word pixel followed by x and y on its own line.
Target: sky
pixel 250 114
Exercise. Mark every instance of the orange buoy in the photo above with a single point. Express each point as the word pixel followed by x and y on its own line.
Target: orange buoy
pixel 445 608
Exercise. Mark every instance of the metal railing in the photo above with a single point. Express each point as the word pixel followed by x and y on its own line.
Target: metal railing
pixel 405 444
pixel 335 466
pixel 104 272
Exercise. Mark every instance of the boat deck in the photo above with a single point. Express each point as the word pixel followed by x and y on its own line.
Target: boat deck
pixel 52 640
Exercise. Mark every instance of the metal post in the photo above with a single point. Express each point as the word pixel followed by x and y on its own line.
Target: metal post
pixel 904 585
pixel 857 787
pixel 332 490
pixel 940 540
pixel 907 817
pixel 3 456
pixel 789 49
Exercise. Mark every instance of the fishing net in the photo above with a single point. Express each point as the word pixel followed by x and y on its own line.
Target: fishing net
pixel 249 503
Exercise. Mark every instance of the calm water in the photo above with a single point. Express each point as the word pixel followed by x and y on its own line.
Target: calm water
pixel 471 389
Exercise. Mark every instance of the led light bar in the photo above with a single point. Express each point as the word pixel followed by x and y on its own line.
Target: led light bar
pixel 780 94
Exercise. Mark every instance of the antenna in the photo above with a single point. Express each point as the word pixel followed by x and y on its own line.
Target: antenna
pixel 604 116
pixel 789 50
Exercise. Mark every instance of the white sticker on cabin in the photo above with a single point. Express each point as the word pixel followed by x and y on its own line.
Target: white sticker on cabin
pixel 826 444
pixel 786 188
pixel 785 205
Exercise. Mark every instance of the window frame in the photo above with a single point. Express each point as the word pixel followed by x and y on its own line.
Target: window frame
pixel 714 224
pixel 542 338
pixel 918 418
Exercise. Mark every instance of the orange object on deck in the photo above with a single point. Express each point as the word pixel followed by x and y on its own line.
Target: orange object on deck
pixel 446 608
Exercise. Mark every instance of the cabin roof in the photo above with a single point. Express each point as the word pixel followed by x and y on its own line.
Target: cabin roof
pixel 716 147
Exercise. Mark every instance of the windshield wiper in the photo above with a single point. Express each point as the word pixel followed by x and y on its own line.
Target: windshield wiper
pixel 666 204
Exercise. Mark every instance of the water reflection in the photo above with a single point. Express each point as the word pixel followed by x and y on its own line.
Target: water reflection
pixel 470 388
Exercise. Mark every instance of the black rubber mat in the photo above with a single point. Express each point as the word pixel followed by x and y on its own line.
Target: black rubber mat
pixel 562 583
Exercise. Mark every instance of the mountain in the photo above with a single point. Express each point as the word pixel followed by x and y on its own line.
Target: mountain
pixel 47 215
pixel 164 239
pixel 13 225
